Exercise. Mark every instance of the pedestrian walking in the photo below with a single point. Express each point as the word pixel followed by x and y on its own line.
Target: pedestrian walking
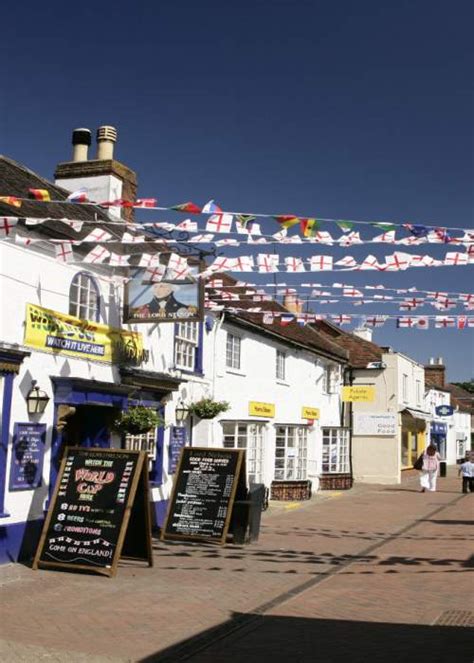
pixel 466 470
pixel 429 469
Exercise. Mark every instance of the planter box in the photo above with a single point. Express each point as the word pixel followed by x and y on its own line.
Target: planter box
pixel 335 482
pixel 291 491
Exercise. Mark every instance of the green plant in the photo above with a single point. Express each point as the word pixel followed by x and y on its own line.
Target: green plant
pixel 206 408
pixel 137 420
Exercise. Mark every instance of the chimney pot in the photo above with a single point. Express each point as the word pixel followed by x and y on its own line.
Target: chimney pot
pixel 106 138
pixel 81 140
pixel 432 361
pixel 440 361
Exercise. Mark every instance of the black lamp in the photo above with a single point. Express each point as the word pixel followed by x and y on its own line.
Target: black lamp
pixel 181 412
pixel 36 400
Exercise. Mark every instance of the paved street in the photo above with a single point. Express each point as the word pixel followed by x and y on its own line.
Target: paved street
pixel 379 573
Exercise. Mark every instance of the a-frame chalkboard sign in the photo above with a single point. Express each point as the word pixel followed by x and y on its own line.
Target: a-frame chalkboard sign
pixel 206 484
pixel 99 512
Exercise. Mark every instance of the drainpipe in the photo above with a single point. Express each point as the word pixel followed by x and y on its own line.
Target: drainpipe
pixel 348 371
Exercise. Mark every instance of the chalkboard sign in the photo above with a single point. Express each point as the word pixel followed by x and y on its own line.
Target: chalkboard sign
pixel 178 439
pixel 26 468
pixel 205 486
pixel 99 512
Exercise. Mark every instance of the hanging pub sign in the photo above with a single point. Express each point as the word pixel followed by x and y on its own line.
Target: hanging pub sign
pixel 163 294
pixel 99 512
pixel 62 334
pixel 26 469
pixel 205 487
pixel 444 410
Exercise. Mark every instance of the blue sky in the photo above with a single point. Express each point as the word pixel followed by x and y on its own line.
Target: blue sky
pixel 338 109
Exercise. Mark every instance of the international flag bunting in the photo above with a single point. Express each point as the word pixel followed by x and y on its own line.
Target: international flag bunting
pixel 244 219
pixel 416 230
pixel 417 322
pixel 10 200
pixel 40 194
pixel 211 207
pixel 79 196
pixel 345 226
pixel 189 208
pixel 145 202
pixel 386 227
pixel 285 320
pixel 120 202
pixel 309 227
pixel 287 220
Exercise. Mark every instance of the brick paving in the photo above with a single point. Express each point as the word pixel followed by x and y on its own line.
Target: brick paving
pixel 362 575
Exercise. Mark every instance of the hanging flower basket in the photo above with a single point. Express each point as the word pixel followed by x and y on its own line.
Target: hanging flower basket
pixel 137 420
pixel 206 408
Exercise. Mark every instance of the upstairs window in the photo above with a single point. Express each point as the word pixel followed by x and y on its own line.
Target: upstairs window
pixel 232 351
pixel 84 299
pixel 280 365
pixel 405 387
pixel 186 345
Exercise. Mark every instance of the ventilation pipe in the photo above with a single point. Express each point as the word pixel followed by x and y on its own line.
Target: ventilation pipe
pixel 106 139
pixel 81 141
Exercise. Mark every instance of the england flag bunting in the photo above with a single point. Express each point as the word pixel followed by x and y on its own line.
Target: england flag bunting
pixel 341 319
pixel 375 321
pixel 413 322
pixel 7 224
pixel 267 262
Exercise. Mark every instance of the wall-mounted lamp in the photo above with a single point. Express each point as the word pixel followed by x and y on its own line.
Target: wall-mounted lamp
pixel 36 400
pixel 181 412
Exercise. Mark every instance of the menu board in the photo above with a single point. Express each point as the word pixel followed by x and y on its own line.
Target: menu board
pixel 94 503
pixel 178 438
pixel 204 490
pixel 26 468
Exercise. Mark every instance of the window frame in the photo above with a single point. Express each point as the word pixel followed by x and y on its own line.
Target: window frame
pixel 93 286
pixel 255 464
pixel 297 470
pixel 280 367
pixel 337 440
pixel 332 377
pixel 195 365
pixel 405 387
pixel 231 354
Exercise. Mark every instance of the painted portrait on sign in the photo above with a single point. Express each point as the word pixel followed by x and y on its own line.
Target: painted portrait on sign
pixel 154 299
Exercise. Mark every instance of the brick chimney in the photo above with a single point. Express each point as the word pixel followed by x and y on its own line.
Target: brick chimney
pixel 435 373
pixel 104 177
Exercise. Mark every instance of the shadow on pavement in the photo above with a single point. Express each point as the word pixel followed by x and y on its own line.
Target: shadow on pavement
pixel 256 639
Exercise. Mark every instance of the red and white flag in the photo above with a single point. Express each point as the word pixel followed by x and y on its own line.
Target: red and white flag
pixel 413 322
pixel 348 262
pixel 350 239
pixel 375 321
pixel 202 239
pixel 119 259
pixel 64 252
pixel 219 223
pixel 148 259
pixel 97 255
pixel 267 262
pixel 341 319
pixel 97 235
pixel 243 264
pixel 455 258
pixel 7 225
pixel 397 261
pixel 189 225
pixel 387 238
pixel 294 264
pixel 351 292
pixel 153 274
pixel 371 262
pixel 145 202
pixel 321 263
pixel 444 321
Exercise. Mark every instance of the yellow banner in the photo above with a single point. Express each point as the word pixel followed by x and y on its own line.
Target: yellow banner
pixel 309 412
pixel 261 409
pixel 62 334
pixel 358 394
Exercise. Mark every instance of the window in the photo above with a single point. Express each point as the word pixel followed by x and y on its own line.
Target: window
pixel 418 392
pixel 232 351
pixel 331 378
pixel 335 450
pixel 280 365
pixel 143 442
pixel 84 297
pixel 249 436
pixel 405 387
pixel 291 453
pixel 186 345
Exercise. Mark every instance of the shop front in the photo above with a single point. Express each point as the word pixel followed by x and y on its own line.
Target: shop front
pixel 413 437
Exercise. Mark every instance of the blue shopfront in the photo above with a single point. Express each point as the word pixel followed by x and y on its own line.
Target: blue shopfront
pixel 438 434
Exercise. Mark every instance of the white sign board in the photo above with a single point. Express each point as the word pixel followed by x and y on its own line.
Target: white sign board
pixel 383 423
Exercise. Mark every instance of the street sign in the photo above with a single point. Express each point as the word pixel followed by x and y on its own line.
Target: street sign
pixel 444 410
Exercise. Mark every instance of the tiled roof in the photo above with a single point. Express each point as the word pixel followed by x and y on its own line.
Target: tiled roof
pixel 360 351
pixel 292 333
pixel 461 397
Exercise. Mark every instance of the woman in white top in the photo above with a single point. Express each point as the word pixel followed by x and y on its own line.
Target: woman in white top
pixel 429 470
